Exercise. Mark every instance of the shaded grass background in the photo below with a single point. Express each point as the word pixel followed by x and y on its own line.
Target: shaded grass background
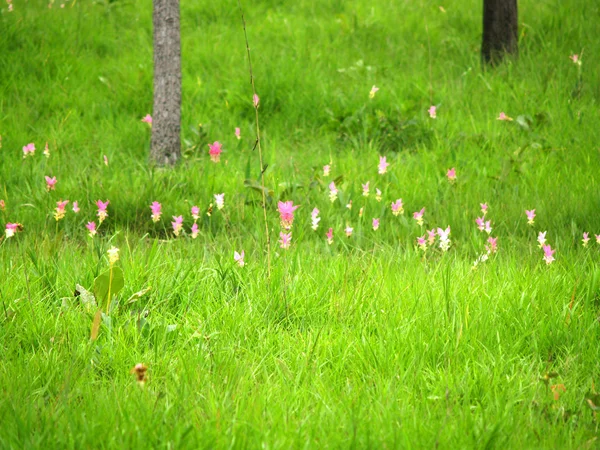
pixel 378 347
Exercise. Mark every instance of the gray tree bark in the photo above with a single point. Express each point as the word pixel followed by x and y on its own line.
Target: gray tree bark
pixel 166 113
pixel 500 30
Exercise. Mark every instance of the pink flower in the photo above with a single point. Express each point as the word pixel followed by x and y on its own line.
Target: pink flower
pixel 488 227
pixel 484 208
pixel 548 254
pixel 91 227
pixel 76 207
pixel 255 102
pixel 349 231
pixel 147 119
pixel 195 212
pixel 383 165
pixel 431 236
pixel 28 150
pixel 586 239
pixel 214 150
pixel 575 58
pixel 530 216
pixel 102 214
pixel 326 170
pixel 432 112
pixel 286 213
pixel 397 208
pixel 444 238
pixel 597 238
pixel 60 209
pixel 503 116
pixel 220 201
pixel 285 240
pixel 333 192
pixel 375 224
pixel 418 216
pixel 50 183
pixel 542 238
pixel 177 225
pixel 365 189
pixel 239 258
pixel 12 228
pixel 329 236
pixel 194 230
pixel 238 133
pixel 156 207
pixel 422 243
pixel 451 174
pixel 480 221
pixel 315 219
pixel 373 91
pixel 493 245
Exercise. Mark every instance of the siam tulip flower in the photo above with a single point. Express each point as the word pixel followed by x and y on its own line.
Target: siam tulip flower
pixel 194 230
pixel 113 255
pixel 47 151
pixel 156 207
pixel 480 221
pixel 361 211
pixel 255 100
pixel 377 194
pixel 348 231
pixel 314 215
pixel 326 170
pixel 220 201
pixel 76 207
pixel 147 119
pixel 238 133
pixel 493 245
pixel 431 236
pixel 365 189
pixel 530 216
pixel 548 254
pixel 60 209
pixel 575 58
pixel 422 243
pixel 503 116
pixel 285 240
pixel 586 239
pixel 333 192
pixel 373 91
pixel 597 238
pixel 28 150
pixel 214 150
pixel 329 236
pixel 102 214
pixel 484 208
pixel 12 228
pixel 177 225
pixel 195 212
pixel 488 227
pixel 50 183
pixel 286 213
pixel 432 112
pixel 542 238
pixel 444 238
pixel 383 165
pixel 91 227
pixel 397 208
pixel 239 258
pixel 349 204
pixel 451 174
pixel 375 224
pixel 418 216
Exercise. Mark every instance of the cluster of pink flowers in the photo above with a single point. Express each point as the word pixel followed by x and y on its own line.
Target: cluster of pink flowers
pixel 214 150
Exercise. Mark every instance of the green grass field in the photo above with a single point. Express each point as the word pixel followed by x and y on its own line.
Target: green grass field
pixel 365 343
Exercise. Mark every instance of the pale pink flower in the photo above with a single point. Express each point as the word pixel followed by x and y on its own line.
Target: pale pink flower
pixel 548 254
pixel 147 119
pixel 530 216
pixel 285 240
pixel 238 133
pixel 383 165
pixel 214 150
pixel 480 221
pixel 597 238
pixel 484 208
pixel 194 230
pixel 239 258
pixel 586 239
pixel 286 213
pixel 326 170
pixel 60 209
pixel 542 238
pixel 422 243
pixel 220 201
pixel 12 228
pixel 255 102
pixel 488 227
pixel 575 58
pixel 373 91
pixel 397 208
pixel 365 189
pixel 28 150
pixel 91 227
pixel 377 194
pixel 375 224
pixel 102 214
pixel 493 245
pixel 431 236
pixel 195 212
pixel 333 192
pixel 76 207
pixel 315 219
pixel 329 236
pixel 432 112
pixel 50 183
pixel 451 174
pixel 503 116
pixel 348 231
pixel 177 225
pixel 418 216
pixel 156 207
pixel 444 238
pixel 47 151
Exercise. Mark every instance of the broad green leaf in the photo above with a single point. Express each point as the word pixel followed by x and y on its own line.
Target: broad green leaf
pixel 104 282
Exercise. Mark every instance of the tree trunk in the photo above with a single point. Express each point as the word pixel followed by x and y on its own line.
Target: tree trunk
pixel 166 113
pixel 500 30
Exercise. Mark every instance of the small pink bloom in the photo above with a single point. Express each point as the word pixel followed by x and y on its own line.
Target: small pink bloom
pixel 530 216
pixel 503 116
pixel 575 58
pixel 286 213
pixel 220 201
pixel 333 192
pixel 29 150
pixel 542 238
pixel 315 219
pixel 102 214
pixel 156 207
pixel 147 119
pixel 91 227
pixel 50 183
pixel 444 238
pixel 383 165
pixel 492 246
pixel 60 209
pixel 480 221
pixel 548 254
pixel 285 240
pixel 239 258
pixel 431 236
pixel 375 224
pixel 177 225
pixel 255 102
pixel 432 112
pixel 586 239
pixel 397 208
pixel 484 208
pixel 418 216
pixel 194 230
pixel 326 170
pixel 329 236
pixel 238 133
pixel 365 189
pixel 195 212
pixel 422 243
pixel 451 174
pixel 349 231
pixel 488 227
pixel 214 150
pixel 597 238
pixel 76 207
pixel 12 228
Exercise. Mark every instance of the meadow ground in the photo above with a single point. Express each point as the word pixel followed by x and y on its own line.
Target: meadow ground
pixel 369 342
